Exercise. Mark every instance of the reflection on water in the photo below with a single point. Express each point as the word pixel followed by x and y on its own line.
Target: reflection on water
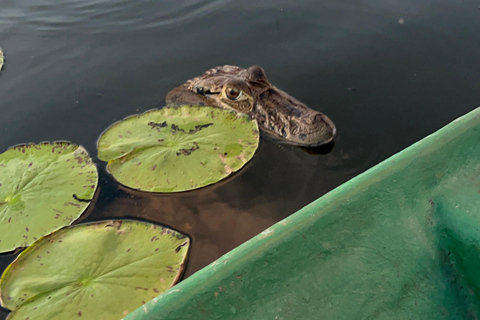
pixel 219 217
pixel 386 72
pixel 214 226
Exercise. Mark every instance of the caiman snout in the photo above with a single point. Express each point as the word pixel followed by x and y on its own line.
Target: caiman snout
pixel 287 118
pixel 326 126
pixel 313 129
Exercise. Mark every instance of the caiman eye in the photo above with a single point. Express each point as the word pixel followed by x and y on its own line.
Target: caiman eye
pixel 233 94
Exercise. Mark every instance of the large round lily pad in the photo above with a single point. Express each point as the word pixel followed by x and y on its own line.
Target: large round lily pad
pixel 178 149
pixel 43 187
pixel 101 270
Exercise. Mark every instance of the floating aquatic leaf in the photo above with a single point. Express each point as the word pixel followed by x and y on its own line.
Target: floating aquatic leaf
pixel 178 149
pixel 101 270
pixel 43 187
pixel 1 59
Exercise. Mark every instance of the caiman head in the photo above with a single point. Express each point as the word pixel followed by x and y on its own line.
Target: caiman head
pixel 248 91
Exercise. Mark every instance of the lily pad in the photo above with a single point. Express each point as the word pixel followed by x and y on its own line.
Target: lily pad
pixel 1 59
pixel 43 187
pixel 101 270
pixel 178 149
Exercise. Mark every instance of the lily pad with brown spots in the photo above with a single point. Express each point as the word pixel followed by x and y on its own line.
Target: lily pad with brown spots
pixel 178 149
pixel 101 270
pixel 43 187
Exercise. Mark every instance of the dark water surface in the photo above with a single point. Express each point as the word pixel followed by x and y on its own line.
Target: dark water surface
pixel 386 72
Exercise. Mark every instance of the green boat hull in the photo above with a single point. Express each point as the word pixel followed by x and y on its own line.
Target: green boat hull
pixel 400 241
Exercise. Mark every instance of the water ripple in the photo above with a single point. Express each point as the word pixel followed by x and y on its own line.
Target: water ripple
pixel 102 16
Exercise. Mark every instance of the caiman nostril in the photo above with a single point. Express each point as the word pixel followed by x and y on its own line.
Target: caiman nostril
pixel 322 121
pixel 318 118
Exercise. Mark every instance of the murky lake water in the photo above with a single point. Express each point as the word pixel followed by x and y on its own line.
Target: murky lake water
pixel 386 72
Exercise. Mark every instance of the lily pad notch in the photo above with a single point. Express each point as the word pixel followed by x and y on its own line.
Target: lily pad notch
pixel 101 270
pixel 178 148
pixel 43 187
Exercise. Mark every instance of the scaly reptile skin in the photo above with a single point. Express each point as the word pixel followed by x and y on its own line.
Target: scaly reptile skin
pixel 249 91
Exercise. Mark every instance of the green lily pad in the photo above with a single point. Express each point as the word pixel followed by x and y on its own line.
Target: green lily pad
pixel 43 187
pixel 1 59
pixel 178 149
pixel 101 270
